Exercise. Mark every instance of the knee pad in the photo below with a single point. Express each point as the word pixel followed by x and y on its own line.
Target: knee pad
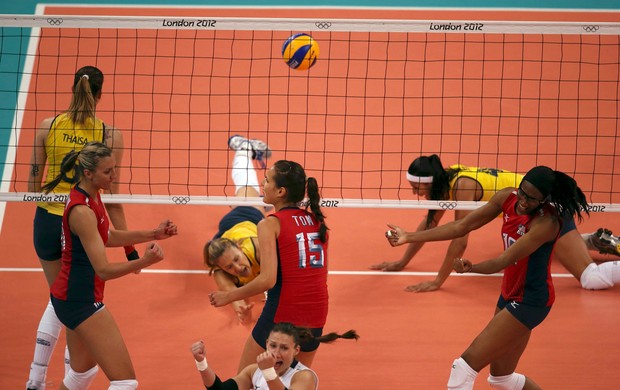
pixel 80 380
pixel 513 381
pixel 593 278
pixel 127 384
pixel 462 376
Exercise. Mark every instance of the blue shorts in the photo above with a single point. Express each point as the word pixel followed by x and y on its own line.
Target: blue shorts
pixel 46 235
pixel 263 327
pixel 530 316
pixel 568 224
pixel 237 215
pixel 73 313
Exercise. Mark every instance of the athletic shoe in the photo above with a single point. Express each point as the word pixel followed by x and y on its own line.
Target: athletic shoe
pixel 260 150
pixel 605 242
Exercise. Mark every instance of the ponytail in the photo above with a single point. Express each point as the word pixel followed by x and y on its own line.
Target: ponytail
pixel 67 165
pixel 314 201
pixel 304 335
pixel 567 197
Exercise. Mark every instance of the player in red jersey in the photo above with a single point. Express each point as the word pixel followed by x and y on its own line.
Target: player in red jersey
pixel 533 221
pixel 293 247
pixel 93 337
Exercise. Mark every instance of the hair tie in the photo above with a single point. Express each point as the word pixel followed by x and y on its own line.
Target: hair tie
pixel 85 76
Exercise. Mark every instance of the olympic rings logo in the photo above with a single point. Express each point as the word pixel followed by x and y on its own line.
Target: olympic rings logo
pixel 447 205
pixel 591 28
pixel 54 21
pixel 323 25
pixel 182 200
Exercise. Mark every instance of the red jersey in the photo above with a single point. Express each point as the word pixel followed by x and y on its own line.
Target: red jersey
pixel 529 279
pixel 77 280
pixel 300 294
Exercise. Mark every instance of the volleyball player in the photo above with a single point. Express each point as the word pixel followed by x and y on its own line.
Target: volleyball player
pixel 293 247
pixel 430 180
pixel 55 137
pixel 93 338
pixel 532 223
pixel 232 256
pixel 277 367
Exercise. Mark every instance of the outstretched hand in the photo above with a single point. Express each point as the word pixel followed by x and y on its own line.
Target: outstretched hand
pixel 388 266
pixel 395 235
pixel 243 310
pixel 427 286
pixel 166 229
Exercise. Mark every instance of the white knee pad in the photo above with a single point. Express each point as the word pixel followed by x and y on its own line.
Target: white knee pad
pixel 513 381
pixel 594 278
pixel 462 376
pixel 127 384
pixel 50 324
pixel 80 380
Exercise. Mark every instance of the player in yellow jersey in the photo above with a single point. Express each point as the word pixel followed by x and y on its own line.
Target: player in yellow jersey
pixel 232 255
pixel 430 180
pixel 55 137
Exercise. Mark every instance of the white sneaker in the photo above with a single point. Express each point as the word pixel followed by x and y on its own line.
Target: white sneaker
pixel 605 242
pixel 260 150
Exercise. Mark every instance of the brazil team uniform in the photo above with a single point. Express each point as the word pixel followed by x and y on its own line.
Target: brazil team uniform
pixel 63 136
pixel 77 292
pixel 260 383
pixel 527 288
pixel 300 294
pixel 239 225
pixel 491 179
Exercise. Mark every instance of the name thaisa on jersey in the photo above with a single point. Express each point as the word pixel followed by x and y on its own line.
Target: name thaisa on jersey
pixel 303 220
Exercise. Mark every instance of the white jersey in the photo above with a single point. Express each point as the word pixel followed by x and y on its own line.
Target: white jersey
pixel 259 382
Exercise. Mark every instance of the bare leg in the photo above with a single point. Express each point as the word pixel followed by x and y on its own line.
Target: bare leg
pixel 571 251
pixel 250 352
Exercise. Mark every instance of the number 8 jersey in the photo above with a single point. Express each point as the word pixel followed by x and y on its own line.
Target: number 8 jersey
pixel 300 294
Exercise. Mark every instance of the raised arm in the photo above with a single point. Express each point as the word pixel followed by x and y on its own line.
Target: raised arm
pixel 268 231
pixel 243 380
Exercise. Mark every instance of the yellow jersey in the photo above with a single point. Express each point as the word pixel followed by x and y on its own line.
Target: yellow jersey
pixel 242 234
pixel 491 179
pixel 64 136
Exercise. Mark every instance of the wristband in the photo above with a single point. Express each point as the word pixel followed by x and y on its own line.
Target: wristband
pixel 202 365
pixel 269 373
pixel 131 253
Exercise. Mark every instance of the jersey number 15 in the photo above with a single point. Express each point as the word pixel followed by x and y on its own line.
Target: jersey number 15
pixel 315 249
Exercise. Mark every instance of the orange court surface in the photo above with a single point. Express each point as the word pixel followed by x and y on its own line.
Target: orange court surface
pixel 407 340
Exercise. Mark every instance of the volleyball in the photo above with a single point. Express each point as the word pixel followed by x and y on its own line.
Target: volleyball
pixel 300 51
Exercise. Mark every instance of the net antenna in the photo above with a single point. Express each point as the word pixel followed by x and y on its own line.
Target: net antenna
pixel 493 94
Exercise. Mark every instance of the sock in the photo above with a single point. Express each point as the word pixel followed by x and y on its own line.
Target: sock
pixel 462 376
pixel 47 337
pixel 243 173
pixel 67 360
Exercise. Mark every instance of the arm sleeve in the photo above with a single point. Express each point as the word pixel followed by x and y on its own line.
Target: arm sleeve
pixel 230 384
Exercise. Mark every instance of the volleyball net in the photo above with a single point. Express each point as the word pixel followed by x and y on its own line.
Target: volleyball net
pixel 507 95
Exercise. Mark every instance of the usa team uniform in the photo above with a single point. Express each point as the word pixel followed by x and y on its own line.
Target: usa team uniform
pixel 300 294
pixel 77 292
pixel 527 288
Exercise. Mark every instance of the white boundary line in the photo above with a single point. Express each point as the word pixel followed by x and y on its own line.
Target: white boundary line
pixel 345 273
